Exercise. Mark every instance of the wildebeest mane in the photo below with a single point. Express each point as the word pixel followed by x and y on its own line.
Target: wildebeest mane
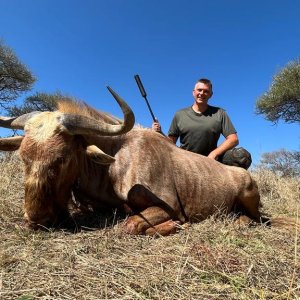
pixel 76 107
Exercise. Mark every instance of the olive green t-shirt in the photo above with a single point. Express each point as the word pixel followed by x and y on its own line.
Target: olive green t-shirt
pixel 200 132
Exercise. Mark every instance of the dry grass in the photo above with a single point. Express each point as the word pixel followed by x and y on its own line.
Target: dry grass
pixel 214 259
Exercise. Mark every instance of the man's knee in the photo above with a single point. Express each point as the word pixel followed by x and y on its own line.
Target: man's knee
pixel 238 157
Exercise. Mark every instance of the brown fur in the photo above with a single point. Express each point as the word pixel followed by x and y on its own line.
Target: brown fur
pixel 163 185
pixel 49 174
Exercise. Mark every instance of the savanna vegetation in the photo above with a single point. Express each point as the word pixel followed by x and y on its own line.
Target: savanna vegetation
pixel 215 259
pixel 15 80
pixel 282 100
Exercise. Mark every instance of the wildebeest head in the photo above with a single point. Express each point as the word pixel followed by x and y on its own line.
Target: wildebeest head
pixel 53 145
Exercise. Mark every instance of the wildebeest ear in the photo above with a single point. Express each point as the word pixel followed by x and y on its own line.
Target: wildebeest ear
pixel 98 156
pixel 11 143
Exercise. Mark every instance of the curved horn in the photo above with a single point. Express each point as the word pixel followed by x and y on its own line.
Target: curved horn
pixel 16 122
pixel 76 124
pixel 11 143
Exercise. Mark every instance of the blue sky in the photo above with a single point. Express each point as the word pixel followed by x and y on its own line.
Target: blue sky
pixel 78 47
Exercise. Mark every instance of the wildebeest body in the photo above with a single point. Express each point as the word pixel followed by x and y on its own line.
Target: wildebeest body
pixel 115 165
pixel 149 170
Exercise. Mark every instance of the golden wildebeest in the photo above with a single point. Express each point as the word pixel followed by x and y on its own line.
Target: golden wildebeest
pixel 101 158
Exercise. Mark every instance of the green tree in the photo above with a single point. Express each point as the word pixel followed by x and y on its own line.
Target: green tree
pixel 38 101
pixel 282 100
pixel 15 78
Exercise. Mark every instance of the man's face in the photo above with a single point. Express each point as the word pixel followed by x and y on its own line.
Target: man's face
pixel 201 93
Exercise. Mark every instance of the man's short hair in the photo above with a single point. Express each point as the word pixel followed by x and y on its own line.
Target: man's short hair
pixel 207 82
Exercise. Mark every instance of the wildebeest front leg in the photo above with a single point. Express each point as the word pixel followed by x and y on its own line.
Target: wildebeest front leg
pixel 166 228
pixel 150 221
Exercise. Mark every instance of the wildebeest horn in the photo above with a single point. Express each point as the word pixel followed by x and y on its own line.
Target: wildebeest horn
pixel 16 122
pixel 10 143
pixel 76 124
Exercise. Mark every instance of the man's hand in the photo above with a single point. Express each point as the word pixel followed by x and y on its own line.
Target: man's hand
pixel 156 126
pixel 230 142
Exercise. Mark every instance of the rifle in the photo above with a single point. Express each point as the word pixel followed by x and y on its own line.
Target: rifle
pixel 144 95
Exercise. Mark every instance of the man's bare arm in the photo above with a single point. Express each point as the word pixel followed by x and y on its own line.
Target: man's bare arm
pixel 230 142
